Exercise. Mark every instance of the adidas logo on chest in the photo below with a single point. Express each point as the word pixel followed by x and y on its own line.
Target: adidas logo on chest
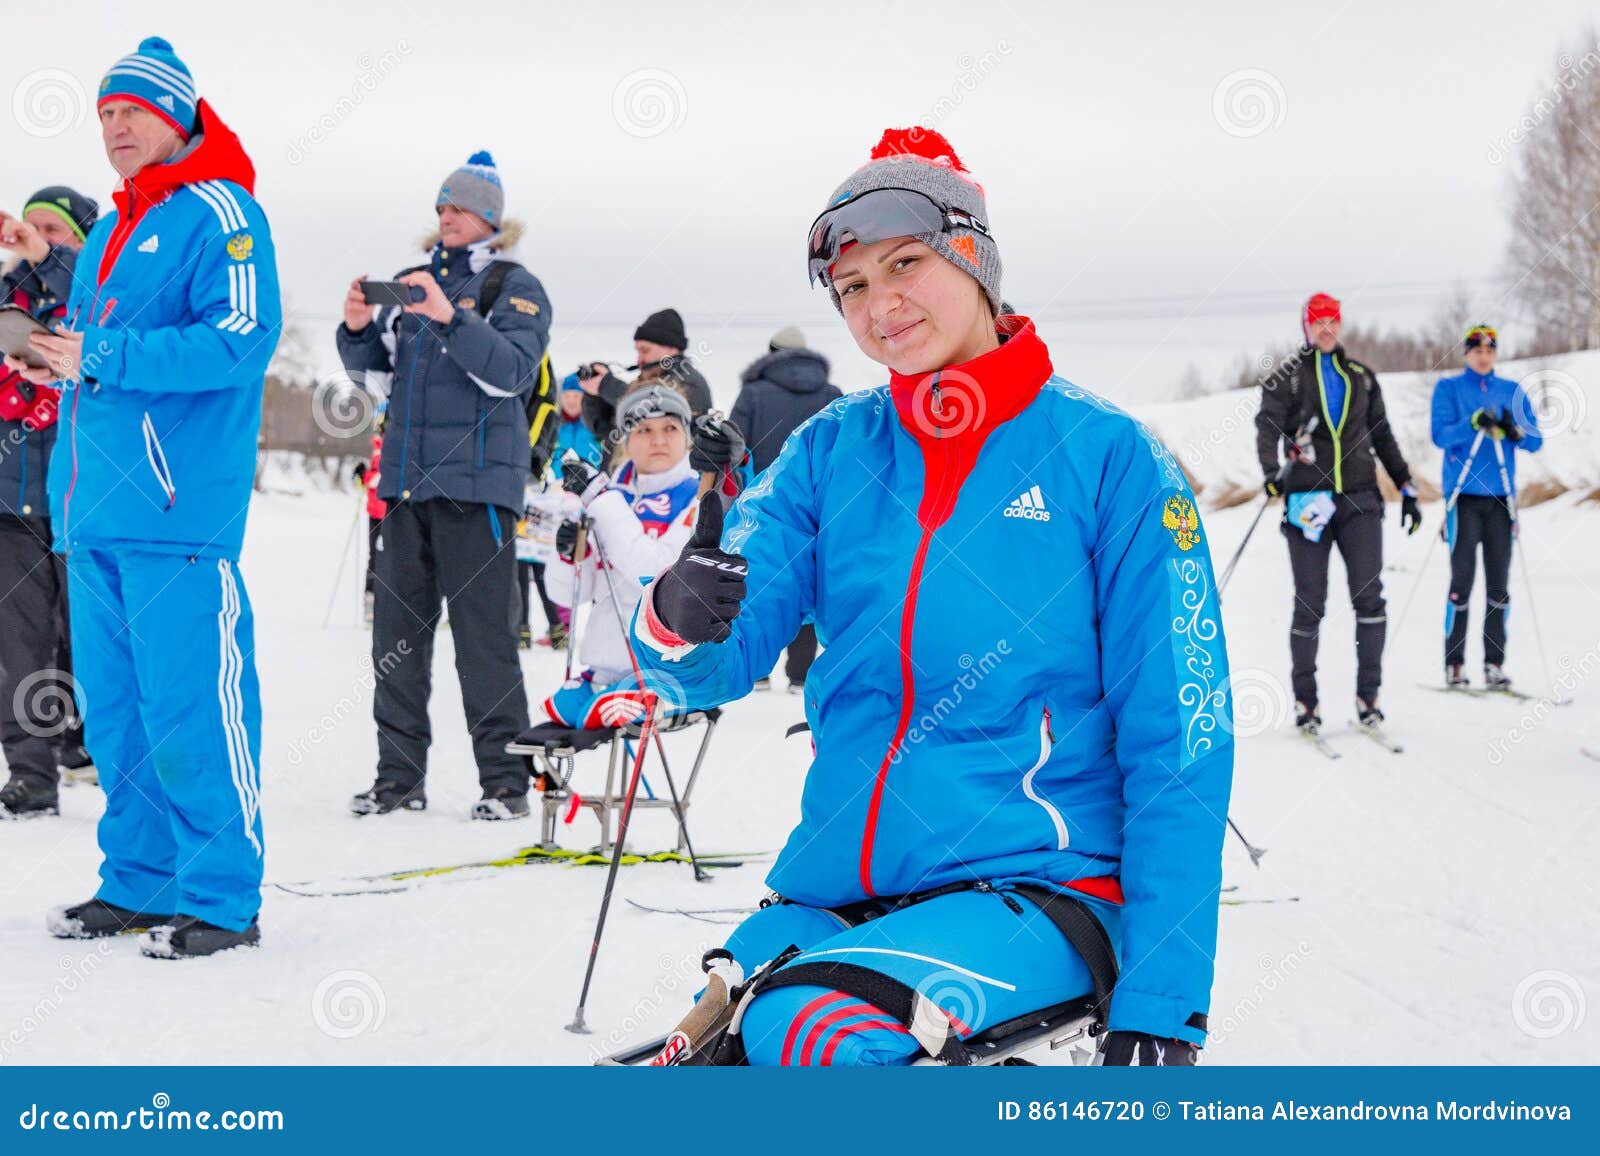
pixel 1029 505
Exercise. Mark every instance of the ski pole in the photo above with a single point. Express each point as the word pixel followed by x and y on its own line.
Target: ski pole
pixel 1522 557
pixel 1255 852
pixel 1277 479
pixel 1450 504
pixel 344 556
pixel 677 806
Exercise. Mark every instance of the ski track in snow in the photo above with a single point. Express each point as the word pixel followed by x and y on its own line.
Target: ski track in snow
pixel 1432 883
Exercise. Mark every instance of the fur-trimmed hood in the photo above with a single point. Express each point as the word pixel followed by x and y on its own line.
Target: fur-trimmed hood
pixel 502 242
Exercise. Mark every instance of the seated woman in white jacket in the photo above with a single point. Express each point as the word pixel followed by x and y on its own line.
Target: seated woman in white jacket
pixel 639 520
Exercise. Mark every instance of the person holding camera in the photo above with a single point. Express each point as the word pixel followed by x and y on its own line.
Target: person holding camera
pixel 458 344
pixel 659 345
pixel 39 728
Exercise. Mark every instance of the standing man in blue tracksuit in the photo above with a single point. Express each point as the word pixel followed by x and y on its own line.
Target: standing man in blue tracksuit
pixel 1475 402
pixel 1024 686
pixel 173 317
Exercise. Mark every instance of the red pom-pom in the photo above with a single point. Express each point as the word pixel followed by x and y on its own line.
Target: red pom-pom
pixel 917 142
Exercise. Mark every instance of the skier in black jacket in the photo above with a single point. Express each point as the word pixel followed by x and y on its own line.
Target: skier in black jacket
pixel 1325 413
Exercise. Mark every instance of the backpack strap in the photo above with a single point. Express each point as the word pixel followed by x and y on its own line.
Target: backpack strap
pixel 492 284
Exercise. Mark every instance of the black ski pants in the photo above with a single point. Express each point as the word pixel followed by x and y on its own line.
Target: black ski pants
pixel 1357 529
pixel 1478 521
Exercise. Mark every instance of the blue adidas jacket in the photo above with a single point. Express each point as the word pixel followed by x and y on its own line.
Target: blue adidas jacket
pixel 176 293
pixel 1455 400
pixel 1024 671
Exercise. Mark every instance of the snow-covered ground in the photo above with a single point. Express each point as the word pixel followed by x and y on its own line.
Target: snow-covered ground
pixel 1443 899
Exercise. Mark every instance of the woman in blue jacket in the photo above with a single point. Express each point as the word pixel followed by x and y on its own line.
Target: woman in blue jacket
pixel 1023 699
pixel 1473 402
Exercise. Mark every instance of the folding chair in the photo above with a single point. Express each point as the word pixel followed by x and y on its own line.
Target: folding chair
pixel 551 750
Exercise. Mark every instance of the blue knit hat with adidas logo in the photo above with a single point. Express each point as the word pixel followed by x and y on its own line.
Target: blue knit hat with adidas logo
pixel 155 78
pixel 475 188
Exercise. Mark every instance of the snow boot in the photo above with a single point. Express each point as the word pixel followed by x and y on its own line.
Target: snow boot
pixel 1307 719
pixel 385 795
pixel 763 684
pixel 499 803
pixel 97 919
pixel 1495 677
pixel 1455 677
pixel 555 638
pixel 189 938
pixel 1367 713
pixel 28 799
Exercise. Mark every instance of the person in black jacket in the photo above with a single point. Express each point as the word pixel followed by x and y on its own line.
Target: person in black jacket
pixel 458 367
pixel 39 725
pixel 658 345
pixel 777 394
pixel 1320 433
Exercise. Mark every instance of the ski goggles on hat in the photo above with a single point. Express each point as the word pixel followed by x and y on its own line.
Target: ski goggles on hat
pixel 642 404
pixel 878 215
pixel 1482 336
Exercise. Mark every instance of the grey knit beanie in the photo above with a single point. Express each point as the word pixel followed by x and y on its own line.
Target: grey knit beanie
pixel 475 188
pixel 921 160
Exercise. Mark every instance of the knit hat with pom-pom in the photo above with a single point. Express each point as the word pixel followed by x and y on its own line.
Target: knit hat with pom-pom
pixel 921 160
pixel 475 188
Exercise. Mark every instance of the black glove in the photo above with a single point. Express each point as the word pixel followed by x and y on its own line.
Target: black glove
pixel 579 477
pixel 716 444
pixel 1508 424
pixel 1410 513
pixel 1143 1050
pixel 567 541
pixel 699 595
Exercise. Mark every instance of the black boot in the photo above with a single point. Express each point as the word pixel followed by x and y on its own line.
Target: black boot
pixel 501 803
pixel 1307 719
pixel 1455 677
pixel 1367 712
pixel 28 799
pixel 386 795
pixel 189 938
pixel 96 919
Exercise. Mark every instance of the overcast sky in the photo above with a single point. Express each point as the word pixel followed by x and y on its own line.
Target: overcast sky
pixel 1166 181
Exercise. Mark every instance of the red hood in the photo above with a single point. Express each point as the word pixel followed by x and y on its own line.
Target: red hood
pixel 973 398
pixel 217 157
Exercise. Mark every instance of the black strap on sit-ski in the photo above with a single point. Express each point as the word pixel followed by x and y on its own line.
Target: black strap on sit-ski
pixel 934 1032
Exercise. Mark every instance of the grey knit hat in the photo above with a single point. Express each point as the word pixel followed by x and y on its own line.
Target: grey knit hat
pixel 922 160
pixel 653 400
pixel 475 188
pixel 789 337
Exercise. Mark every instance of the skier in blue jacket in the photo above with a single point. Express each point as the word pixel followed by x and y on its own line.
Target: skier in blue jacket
pixel 1025 682
pixel 172 319
pixel 1477 401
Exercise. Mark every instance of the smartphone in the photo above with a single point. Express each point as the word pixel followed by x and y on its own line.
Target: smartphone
pixel 391 293
pixel 16 324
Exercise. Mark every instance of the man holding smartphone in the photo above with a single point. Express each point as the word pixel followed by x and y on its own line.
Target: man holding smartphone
pixel 39 725
pixel 173 318
pixel 457 343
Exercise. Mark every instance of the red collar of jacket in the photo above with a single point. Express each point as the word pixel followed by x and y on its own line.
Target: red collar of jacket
pixel 951 412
